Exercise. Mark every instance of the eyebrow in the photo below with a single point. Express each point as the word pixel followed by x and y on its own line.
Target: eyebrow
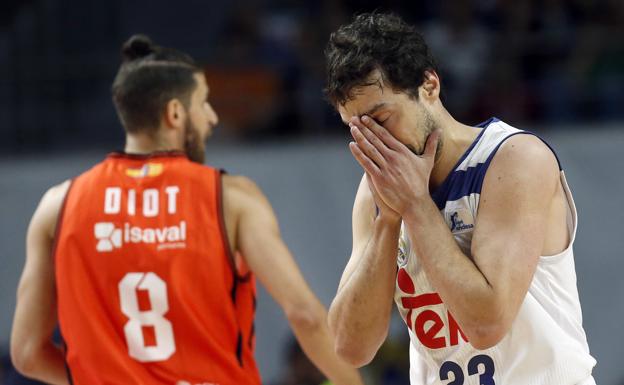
pixel 375 108
pixel 372 110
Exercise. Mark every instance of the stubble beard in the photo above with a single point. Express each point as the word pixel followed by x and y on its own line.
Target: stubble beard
pixel 429 126
pixel 193 144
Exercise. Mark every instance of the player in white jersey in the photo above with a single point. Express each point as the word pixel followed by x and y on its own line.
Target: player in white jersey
pixel 468 229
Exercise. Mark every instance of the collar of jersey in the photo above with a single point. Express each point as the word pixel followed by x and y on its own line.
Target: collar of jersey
pixel 151 155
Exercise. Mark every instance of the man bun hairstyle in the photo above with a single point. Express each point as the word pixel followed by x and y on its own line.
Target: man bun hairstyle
pixel 148 78
pixel 375 41
pixel 137 47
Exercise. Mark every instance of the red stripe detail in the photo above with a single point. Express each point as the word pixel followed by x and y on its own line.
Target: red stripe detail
pixel 409 319
pixel 405 282
pixel 421 300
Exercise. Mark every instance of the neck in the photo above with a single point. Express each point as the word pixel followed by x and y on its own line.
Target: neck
pixel 146 144
pixel 456 138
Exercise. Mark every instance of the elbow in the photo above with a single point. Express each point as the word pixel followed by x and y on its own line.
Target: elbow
pixel 305 318
pixel 353 344
pixel 333 320
pixel 23 357
pixel 357 348
pixel 353 353
pixel 485 336
pixel 312 318
pixel 488 326
pixel 485 342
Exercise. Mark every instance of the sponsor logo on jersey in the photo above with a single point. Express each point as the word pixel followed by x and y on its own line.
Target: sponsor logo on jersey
pixel 148 169
pixel 201 383
pixel 461 220
pixel 110 237
pixel 427 316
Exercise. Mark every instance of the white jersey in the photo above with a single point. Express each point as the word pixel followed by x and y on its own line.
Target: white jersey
pixel 546 344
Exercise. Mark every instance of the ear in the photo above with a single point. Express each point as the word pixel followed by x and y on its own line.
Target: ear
pixel 175 114
pixel 430 88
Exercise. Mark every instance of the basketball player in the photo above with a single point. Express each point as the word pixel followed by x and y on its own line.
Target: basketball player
pixel 147 261
pixel 479 220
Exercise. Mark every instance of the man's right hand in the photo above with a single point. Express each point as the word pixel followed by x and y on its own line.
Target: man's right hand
pixel 384 211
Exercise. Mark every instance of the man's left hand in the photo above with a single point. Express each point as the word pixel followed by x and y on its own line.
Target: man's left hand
pixel 400 177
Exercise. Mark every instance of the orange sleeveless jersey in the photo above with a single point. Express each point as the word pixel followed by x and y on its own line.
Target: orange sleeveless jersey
pixel 147 293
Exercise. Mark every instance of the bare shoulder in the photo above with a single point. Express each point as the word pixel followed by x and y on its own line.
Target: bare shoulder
pixel 55 195
pixel 243 200
pixel 524 169
pixel 240 184
pixel 58 192
pixel 50 206
pixel 247 211
pixel 241 189
pixel 526 154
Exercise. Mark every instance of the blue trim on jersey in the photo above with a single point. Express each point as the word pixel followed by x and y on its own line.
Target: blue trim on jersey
pixel 451 182
pixel 491 120
pixel 462 183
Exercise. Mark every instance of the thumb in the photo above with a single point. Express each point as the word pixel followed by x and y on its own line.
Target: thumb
pixel 432 144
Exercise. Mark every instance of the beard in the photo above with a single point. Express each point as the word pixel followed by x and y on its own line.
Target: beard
pixel 194 144
pixel 429 126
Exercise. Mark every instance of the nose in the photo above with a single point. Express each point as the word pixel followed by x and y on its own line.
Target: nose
pixel 213 118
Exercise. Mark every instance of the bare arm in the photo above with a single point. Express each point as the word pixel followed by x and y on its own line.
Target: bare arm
pixel 258 238
pixel 32 351
pixel 360 313
pixel 483 290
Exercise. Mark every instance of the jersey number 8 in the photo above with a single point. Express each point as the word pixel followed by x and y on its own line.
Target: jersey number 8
pixel 154 317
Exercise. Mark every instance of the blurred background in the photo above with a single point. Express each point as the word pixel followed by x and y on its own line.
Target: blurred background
pixel 553 66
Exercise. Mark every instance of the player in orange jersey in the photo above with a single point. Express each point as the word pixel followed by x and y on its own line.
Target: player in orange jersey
pixel 146 262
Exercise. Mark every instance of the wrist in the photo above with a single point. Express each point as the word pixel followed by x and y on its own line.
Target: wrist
pixel 419 210
pixel 388 219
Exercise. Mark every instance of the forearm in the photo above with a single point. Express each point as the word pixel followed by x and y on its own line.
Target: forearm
pixel 360 313
pixel 459 281
pixel 317 343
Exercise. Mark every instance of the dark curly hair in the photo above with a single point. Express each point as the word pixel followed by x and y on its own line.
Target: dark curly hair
pixel 148 78
pixel 376 41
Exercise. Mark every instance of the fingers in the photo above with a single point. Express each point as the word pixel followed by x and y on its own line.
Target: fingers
pixel 368 144
pixel 432 144
pixel 369 166
pixel 383 134
pixel 373 139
